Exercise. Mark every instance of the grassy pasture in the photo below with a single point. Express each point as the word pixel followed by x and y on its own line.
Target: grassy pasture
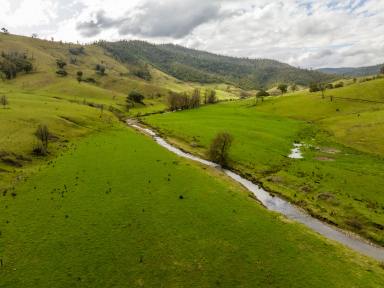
pixel 116 210
pixel 341 177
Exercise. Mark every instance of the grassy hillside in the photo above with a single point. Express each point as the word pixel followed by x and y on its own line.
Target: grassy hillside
pixel 118 211
pixel 107 207
pixel 341 175
pixel 197 66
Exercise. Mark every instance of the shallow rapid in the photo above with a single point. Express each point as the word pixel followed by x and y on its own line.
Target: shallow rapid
pixel 279 205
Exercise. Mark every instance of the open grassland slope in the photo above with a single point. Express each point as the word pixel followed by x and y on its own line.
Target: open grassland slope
pixel 71 108
pixel 110 87
pixel 130 218
pixel 341 176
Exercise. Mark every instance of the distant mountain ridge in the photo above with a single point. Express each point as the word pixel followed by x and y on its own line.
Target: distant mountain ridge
pixel 198 66
pixel 353 71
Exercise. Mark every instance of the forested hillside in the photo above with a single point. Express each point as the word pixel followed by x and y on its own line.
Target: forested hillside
pixel 354 72
pixel 197 66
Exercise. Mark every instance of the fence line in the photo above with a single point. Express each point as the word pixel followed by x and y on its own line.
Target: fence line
pixel 355 99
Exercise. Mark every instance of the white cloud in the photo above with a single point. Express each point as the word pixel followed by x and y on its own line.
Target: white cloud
pixel 304 33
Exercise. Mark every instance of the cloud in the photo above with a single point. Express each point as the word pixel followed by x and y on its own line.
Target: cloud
pixel 173 18
pixel 305 33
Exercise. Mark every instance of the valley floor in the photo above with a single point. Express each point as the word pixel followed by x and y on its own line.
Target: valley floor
pixel 340 178
pixel 117 210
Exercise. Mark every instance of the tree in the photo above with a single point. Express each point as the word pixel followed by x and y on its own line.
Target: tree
pixel 79 76
pixel 313 87
pixel 294 87
pixel 283 88
pixel 262 93
pixel 14 62
pixel 60 63
pixel 218 151
pixel 42 133
pixel 195 100
pixel 382 70
pixel 136 97
pixel 210 96
pixel 5 30
pixel 100 69
pixel 339 85
pixel 4 101
pixel 61 72
pixel 34 35
pixel 322 88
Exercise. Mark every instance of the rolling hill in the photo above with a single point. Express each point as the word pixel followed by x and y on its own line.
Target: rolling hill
pixel 353 71
pixel 198 66
pixel 108 207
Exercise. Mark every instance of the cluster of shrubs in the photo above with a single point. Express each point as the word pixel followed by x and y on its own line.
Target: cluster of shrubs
pixel 41 146
pixel 80 78
pixel 183 101
pixel 77 51
pixel 13 63
pixel 61 68
pixel 380 76
pixel 316 87
pixel 135 97
pixel 143 73
pixel 100 69
pixel 262 93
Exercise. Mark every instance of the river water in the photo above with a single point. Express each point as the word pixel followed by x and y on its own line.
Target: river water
pixel 279 205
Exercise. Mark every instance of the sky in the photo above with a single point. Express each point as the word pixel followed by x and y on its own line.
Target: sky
pixel 303 33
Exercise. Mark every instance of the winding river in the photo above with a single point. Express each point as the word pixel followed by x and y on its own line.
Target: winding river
pixel 277 204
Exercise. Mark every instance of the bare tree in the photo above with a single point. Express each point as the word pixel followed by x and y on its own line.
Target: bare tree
pixel 195 100
pixel 42 133
pixel 210 96
pixel 4 101
pixel 322 88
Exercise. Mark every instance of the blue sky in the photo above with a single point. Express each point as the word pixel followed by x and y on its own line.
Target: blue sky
pixel 305 33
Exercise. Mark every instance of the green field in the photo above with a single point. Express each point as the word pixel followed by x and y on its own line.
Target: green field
pixel 109 213
pixel 340 178
pixel 108 207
